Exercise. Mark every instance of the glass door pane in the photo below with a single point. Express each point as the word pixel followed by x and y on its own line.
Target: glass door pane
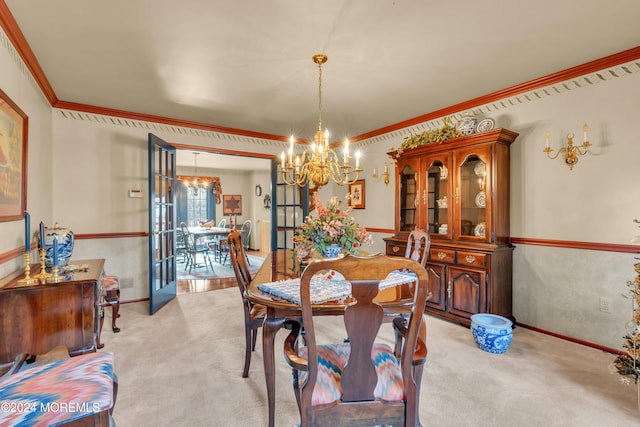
pixel 472 197
pixel 438 198
pixel 408 198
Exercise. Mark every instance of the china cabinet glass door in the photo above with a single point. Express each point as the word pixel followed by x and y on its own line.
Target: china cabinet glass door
pixel 472 195
pixel 408 188
pixel 437 197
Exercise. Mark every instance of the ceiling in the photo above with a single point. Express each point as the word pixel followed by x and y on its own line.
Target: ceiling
pixel 246 64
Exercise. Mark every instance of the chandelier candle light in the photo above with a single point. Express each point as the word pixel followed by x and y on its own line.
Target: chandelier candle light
pixel 571 151
pixel 195 182
pixel 319 164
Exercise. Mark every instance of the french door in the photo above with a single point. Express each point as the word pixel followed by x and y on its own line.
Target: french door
pixel 162 219
pixel 289 207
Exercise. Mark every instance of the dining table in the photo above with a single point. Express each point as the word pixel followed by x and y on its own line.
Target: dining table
pixel 217 232
pixel 277 272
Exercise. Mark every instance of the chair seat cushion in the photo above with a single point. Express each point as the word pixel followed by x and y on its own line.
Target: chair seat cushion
pixel 58 392
pixel 258 311
pixel 111 283
pixel 332 359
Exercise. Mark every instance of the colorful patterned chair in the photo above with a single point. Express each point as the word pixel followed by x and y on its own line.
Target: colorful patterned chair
pixel 360 381
pixel 76 391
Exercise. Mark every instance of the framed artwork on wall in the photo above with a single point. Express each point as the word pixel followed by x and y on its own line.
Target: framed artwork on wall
pixel 232 204
pixel 13 160
pixel 356 192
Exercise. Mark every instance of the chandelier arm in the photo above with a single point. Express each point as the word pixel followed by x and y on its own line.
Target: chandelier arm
pixel 550 150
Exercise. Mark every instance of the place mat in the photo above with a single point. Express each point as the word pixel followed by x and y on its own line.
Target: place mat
pixel 326 287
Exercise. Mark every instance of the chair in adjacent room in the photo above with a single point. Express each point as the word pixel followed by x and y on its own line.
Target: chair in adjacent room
pixel 223 223
pixel 361 381
pixel 194 250
pixel 181 255
pixel 245 231
pixel 254 314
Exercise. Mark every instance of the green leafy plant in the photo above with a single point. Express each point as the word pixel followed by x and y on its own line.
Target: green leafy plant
pixel 447 131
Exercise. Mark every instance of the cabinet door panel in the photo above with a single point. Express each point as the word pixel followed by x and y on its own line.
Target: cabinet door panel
pixel 408 188
pixel 436 195
pixel 466 292
pixel 437 282
pixel 472 200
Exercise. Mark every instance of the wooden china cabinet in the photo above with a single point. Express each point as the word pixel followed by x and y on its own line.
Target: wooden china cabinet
pixel 459 192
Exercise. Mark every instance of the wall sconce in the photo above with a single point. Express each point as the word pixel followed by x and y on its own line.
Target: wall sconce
pixel 385 175
pixel 571 152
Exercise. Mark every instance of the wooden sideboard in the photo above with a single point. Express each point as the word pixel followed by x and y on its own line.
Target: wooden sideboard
pixel 36 318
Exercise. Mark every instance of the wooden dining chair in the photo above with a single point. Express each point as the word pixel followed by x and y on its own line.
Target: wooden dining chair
pixel 418 245
pixel 254 314
pixel 360 381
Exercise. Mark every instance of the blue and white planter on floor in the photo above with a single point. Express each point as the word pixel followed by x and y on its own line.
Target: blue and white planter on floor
pixel 491 332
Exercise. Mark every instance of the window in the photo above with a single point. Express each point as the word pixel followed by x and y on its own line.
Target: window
pixel 193 208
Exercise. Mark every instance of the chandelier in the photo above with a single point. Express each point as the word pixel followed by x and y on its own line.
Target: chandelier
pixel 195 183
pixel 320 163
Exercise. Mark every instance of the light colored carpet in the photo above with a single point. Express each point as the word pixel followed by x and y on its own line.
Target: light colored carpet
pixel 220 271
pixel 182 366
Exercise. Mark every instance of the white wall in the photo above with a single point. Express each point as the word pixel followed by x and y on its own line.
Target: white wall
pixel 17 83
pixel 558 289
pixel 111 158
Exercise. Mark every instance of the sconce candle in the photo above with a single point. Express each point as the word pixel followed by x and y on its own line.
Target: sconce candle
pixel 27 231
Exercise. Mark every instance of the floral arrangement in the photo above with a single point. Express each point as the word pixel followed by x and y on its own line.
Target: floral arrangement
pixel 628 363
pixel 332 225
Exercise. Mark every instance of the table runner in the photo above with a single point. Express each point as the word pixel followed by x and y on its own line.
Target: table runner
pixel 327 286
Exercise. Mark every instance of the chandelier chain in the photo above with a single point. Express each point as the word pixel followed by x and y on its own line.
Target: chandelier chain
pixel 319 95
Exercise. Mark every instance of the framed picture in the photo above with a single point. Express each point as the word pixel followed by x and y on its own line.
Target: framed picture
pixel 13 160
pixel 356 191
pixel 232 205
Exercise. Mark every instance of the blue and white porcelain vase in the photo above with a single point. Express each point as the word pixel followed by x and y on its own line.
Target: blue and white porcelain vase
pixel 491 332
pixel 65 245
pixel 332 251
pixel 467 125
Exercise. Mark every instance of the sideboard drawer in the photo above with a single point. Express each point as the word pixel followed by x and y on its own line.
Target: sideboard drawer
pixel 474 259
pixel 442 255
pixel 395 249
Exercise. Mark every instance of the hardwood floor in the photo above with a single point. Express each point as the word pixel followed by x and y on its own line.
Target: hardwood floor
pixel 192 285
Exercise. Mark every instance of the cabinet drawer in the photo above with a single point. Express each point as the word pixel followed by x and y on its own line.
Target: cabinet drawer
pixel 442 255
pixel 472 258
pixel 394 249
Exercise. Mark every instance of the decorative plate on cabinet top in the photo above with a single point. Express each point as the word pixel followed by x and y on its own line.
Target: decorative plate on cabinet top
pixel 480 229
pixel 481 199
pixel 485 125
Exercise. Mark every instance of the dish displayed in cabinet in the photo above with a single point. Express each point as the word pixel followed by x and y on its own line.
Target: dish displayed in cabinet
pixel 480 229
pixel 481 199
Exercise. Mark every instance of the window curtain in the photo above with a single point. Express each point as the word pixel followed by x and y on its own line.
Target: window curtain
pixel 181 205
